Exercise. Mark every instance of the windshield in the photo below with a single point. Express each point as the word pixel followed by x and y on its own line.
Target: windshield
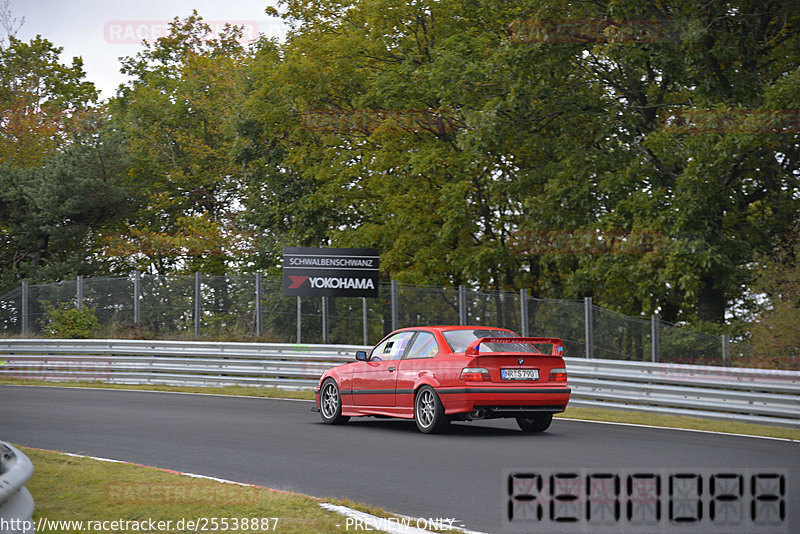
pixel 459 340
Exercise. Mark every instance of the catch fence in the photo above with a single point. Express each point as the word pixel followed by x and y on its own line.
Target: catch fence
pixel 253 307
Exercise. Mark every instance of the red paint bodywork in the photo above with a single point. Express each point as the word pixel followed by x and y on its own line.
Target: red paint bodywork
pixel 388 387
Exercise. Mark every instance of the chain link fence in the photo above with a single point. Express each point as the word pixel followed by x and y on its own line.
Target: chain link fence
pixel 253 307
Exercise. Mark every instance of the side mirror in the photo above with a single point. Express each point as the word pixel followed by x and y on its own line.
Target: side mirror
pixel 361 355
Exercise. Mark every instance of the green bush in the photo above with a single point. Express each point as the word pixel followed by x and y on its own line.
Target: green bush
pixel 65 321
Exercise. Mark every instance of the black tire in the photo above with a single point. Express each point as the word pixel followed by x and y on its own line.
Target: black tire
pixel 535 423
pixel 330 403
pixel 429 411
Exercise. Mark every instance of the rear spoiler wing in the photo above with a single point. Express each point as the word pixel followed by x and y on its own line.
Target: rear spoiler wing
pixel 474 348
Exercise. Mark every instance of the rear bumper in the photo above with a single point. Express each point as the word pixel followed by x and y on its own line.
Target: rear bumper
pixel 504 400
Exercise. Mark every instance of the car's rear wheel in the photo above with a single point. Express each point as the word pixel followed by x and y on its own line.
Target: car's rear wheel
pixel 429 411
pixel 535 423
pixel 330 403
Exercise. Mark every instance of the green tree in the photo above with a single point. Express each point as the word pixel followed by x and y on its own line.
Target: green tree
pixel 60 167
pixel 564 126
pixel 360 135
pixel 52 217
pixel 176 113
pixel 41 100
pixel 775 336
pixel 717 193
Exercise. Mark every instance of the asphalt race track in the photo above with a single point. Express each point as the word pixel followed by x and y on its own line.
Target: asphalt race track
pixel 283 445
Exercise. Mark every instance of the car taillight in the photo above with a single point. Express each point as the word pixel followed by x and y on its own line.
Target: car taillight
pixel 558 375
pixel 476 374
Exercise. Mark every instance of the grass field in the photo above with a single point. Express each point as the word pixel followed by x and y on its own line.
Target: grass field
pixel 593 414
pixel 68 488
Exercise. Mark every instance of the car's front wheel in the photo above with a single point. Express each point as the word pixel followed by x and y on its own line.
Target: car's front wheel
pixel 535 423
pixel 330 403
pixel 429 411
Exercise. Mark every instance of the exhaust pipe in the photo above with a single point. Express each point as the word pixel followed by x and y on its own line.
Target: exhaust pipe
pixel 477 415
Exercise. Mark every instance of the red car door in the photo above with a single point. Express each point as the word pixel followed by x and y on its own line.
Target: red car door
pixel 417 361
pixel 375 381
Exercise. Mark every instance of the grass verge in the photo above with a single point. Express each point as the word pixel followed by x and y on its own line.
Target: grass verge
pixel 241 391
pixel 66 488
pixel 594 414
pixel 680 421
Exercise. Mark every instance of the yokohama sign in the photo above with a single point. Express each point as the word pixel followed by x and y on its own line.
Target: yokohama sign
pixel 330 272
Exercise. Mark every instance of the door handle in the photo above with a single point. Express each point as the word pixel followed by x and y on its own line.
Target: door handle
pixel 391 369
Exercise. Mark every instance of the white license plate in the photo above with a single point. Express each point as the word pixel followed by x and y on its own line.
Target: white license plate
pixel 519 374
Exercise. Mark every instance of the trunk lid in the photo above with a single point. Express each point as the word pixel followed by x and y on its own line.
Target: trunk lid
pixel 517 359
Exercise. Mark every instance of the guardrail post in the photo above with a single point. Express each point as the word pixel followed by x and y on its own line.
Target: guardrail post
pixel 197 298
pixel 394 306
pixel 523 311
pixel 325 320
pixel 364 320
pixel 655 341
pixel 258 304
pixel 137 297
pixel 299 319
pixel 587 317
pixel 79 292
pixel 25 310
pixel 725 348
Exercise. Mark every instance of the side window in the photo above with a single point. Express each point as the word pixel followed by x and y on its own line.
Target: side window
pixel 392 348
pixel 424 347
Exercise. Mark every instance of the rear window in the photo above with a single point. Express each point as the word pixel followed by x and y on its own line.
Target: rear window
pixel 459 340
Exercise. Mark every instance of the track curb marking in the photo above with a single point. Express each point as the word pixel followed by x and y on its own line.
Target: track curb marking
pixel 701 431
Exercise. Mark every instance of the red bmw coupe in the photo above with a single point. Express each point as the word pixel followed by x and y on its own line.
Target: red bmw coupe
pixel 437 374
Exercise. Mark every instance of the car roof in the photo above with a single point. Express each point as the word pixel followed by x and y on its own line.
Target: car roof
pixel 439 330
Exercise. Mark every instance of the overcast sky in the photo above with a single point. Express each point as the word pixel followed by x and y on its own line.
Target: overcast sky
pixel 102 31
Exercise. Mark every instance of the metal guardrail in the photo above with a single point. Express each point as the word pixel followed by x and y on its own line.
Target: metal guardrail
pixel 748 395
pixel 183 363
pixel 16 503
pixel 760 396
